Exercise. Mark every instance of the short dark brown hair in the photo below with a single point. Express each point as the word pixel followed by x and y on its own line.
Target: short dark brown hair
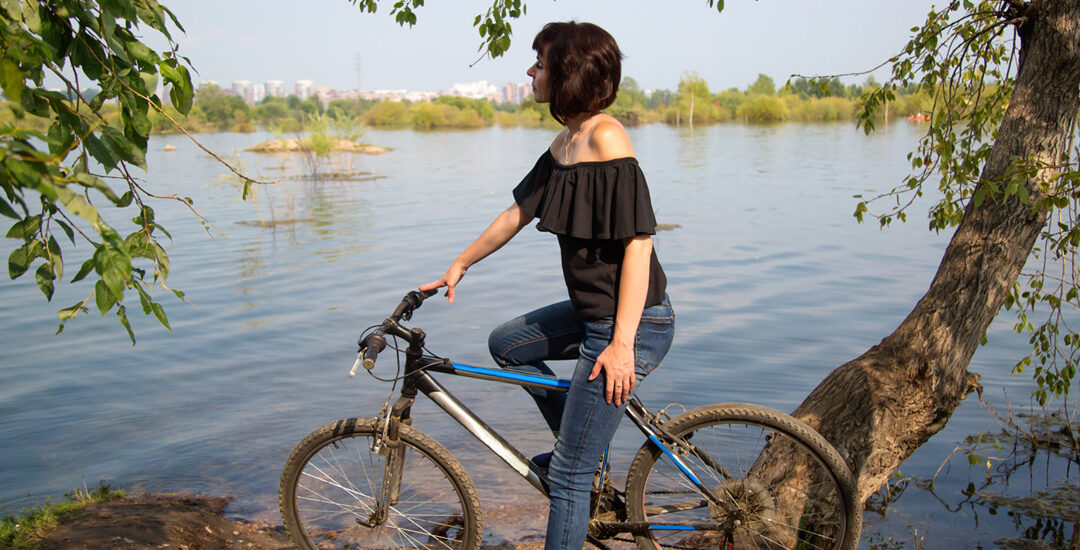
pixel 584 65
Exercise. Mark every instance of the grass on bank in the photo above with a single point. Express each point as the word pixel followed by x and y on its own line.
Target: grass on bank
pixel 23 531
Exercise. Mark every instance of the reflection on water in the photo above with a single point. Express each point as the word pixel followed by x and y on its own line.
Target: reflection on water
pixel 773 283
pixel 1023 476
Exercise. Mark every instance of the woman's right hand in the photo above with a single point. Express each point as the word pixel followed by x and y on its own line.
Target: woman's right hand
pixel 450 279
pixel 505 226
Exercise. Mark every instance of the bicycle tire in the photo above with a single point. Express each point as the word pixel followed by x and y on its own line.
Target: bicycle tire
pixel 733 435
pixel 331 480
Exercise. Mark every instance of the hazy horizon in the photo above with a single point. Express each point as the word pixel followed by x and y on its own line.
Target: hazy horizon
pixel 323 41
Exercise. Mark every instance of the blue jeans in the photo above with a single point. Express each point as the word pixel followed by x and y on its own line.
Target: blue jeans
pixel 582 421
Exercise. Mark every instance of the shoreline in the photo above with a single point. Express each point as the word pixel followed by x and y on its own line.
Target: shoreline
pixel 177 520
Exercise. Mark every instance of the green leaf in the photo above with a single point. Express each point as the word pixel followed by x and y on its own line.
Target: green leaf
pixel 114 267
pixel 67 230
pixel 144 299
pixel 30 16
pixel 141 52
pixel 121 312
pixel 139 245
pixel 69 313
pixel 102 151
pixel 162 260
pixel 159 313
pixel 56 35
pixel 91 181
pixel 182 92
pixel 60 138
pixel 78 206
pixel 11 79
pixel 7 210
pixel 141 123
pixel 27 174
pixel 121 144
pixel 169 71
pixel 103 297
pixel 20 258
pixel 55 257
pixel 85 270
pixel 25 228
pixel 860 210
pixel 44 277
pixel 1022 193
pixel 980 195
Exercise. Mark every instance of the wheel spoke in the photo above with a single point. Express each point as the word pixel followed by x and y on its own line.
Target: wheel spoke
pixel 335 491
pixel 776 490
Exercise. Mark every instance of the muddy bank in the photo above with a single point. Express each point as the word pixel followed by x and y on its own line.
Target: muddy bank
pixel 176 521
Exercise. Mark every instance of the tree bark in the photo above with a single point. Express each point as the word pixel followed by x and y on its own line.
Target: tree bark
pixel 878 408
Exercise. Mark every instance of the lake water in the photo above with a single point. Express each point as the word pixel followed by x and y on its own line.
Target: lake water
pixel 773 282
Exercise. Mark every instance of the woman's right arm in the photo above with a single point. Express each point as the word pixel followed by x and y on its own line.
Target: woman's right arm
pixel 506 225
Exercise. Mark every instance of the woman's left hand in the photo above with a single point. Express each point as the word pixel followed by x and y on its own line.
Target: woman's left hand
pixel 617 362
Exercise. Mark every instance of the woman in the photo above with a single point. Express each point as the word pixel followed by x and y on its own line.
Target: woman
pixel 588 190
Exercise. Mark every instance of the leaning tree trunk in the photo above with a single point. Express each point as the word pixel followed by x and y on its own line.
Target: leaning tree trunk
pixel 878 408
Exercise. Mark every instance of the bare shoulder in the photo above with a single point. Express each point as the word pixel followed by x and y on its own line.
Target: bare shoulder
pixel 608 139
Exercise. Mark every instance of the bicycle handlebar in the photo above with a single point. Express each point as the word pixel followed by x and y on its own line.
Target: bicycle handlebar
pixel 410 303
pixel 373 343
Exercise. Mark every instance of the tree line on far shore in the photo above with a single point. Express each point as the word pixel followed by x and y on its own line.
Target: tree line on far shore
pixel 692 103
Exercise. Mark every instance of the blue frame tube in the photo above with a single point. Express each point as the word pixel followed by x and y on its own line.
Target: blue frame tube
pixel 510 377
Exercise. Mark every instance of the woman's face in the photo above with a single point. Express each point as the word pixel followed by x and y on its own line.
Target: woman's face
pixel 539 75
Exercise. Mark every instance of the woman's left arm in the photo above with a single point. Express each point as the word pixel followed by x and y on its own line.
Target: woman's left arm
pixel 617 360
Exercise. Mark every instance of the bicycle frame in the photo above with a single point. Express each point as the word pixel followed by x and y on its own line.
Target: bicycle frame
pixel 418 378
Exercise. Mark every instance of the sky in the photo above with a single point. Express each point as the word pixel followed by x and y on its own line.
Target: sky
pixel 326 40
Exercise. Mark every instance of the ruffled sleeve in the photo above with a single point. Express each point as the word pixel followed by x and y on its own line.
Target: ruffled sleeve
pixel 530 192
pixel 588 200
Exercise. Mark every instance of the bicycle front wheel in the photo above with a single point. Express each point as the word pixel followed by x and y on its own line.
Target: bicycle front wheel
pixel 334 480
pixel 779 484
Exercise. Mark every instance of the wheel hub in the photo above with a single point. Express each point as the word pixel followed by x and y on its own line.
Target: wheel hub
pixel 748 505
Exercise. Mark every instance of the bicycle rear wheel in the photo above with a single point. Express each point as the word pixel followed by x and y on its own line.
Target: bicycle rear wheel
pixel 781 485
pixel 333 480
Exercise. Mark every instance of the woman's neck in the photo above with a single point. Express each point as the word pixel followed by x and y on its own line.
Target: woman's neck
pixel 575 123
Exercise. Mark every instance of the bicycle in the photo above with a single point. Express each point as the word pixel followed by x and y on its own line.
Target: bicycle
pixel 727 475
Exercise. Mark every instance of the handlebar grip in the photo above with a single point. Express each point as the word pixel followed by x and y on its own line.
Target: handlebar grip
pixel 373 345
pixel 410 303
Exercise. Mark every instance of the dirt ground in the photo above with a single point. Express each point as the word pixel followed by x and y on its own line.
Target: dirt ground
pixel 174 522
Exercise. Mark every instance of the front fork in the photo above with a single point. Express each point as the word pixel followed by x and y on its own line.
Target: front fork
pixel 387 442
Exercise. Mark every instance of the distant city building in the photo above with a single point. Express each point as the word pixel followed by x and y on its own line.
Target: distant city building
pixel 422 96
pixel 258 93
pixel 475 90
pixel 323 93
pixel 515 93
pixel 275 88
pixel 335 94
pixel 392 95
pixel 304 89
pixel 242 88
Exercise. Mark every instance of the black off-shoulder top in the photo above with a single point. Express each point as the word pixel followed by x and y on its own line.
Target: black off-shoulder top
pixel 591 207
